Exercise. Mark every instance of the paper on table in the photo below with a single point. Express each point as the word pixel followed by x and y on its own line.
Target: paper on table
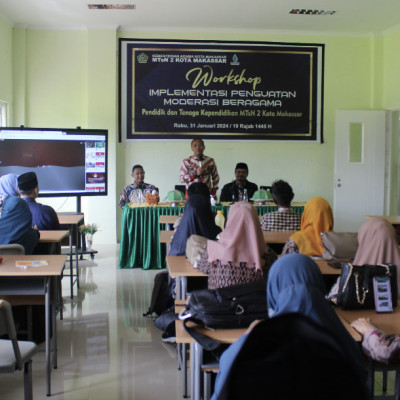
pixel 27 263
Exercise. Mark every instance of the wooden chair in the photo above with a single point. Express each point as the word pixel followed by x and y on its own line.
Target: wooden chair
pixel 14 354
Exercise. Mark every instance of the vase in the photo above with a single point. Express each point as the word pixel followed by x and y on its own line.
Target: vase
pixel 89 241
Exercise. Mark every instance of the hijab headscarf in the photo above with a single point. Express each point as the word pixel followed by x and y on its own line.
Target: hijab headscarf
pixel 197 219
pixel 287 279
pixel 16 224
pixel 242 240
pixel 9 185
pixel 377 244
pixel 317 217
pixel 295 285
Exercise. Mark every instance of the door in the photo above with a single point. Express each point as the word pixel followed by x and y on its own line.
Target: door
pixel 360 186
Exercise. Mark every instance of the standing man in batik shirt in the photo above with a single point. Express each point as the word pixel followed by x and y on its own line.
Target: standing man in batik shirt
pixel 200 168
pixel 136 191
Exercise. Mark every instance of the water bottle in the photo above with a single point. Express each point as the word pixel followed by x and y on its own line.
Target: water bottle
pixel 140 197
pixel 245 197
pixel 220 220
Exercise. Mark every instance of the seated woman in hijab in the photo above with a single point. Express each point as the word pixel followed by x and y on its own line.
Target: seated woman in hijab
pixel 377 244
pixel 317 217
pixel 295 285
pixel 197 219
pixel 8 187
pixel 196 188
pixel 16 224
pixel 240 255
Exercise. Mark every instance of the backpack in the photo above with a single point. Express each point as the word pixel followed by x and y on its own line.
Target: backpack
pixel 229 307
pixel 161 298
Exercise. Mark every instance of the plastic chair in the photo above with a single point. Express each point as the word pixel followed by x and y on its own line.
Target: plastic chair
pixel 12 249
pixel 14 354
pixel 181 188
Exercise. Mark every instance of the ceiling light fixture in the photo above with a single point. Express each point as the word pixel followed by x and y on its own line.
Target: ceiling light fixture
pixel 111 6
pixel 311 12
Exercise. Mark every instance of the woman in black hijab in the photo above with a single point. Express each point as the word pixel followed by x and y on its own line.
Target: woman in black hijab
pixel 197 219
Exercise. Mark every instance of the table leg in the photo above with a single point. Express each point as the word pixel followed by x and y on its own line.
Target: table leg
pixel 48 334
pixel 178 288
pixel 184 369
pixel 196 362
pixel 183 287
pixel 71 269
pixel 76 256
pixel 54 290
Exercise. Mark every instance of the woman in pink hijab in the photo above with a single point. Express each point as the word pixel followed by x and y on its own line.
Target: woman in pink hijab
pixel 240 255
pixel 377 244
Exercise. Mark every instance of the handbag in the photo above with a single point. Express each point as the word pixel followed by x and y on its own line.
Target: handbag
pixel 196 245
pixel 356 290
pixel 339 245
pixel 227 308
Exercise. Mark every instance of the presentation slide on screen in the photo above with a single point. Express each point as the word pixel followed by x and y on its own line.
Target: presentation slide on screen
pixel 63 163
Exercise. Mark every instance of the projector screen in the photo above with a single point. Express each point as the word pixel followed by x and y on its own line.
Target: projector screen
pixel 67 162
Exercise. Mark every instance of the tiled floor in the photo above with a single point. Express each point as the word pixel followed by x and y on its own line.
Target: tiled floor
pixel 106 349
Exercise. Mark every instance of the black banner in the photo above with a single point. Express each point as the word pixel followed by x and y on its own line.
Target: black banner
pixel 220 90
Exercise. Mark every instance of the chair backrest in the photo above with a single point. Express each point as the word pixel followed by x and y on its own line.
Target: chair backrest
pixel 12 249
pixel 181 188
pixel 288 357
pixel 7 327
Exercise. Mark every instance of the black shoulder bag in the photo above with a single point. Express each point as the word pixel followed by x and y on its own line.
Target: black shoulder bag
pixel 356 290
pixel 226 308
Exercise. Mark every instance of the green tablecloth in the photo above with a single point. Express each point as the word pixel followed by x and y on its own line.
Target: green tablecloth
pixel 140 234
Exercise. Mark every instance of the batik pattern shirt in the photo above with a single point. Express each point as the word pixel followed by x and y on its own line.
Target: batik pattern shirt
pixel 285 219
pixel 133 193
pixel 223 275
pixel 210 177
pixel 381 346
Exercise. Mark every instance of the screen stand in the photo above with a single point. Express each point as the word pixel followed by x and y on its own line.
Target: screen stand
pixel 78 204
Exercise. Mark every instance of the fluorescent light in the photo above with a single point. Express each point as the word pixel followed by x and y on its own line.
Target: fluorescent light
pixel 112 6
pixel 303 11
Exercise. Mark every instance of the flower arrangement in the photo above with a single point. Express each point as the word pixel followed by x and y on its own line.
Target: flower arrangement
pixel 89 229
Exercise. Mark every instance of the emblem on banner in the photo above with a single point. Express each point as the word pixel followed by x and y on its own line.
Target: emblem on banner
pixel 235 60
pixel 142 58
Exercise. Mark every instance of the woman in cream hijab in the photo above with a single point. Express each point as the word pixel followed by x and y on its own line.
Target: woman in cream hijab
pixel 317 217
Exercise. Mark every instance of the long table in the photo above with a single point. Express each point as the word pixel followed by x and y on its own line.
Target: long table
pixel 389 323
pixel 53 237
pixel 269 236
pixel 140 245
pixel 36 281
pixel 73 221
pixel 181 269
pixel 226 336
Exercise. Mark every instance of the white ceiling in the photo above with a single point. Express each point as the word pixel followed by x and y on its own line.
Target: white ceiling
pixel 352 17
